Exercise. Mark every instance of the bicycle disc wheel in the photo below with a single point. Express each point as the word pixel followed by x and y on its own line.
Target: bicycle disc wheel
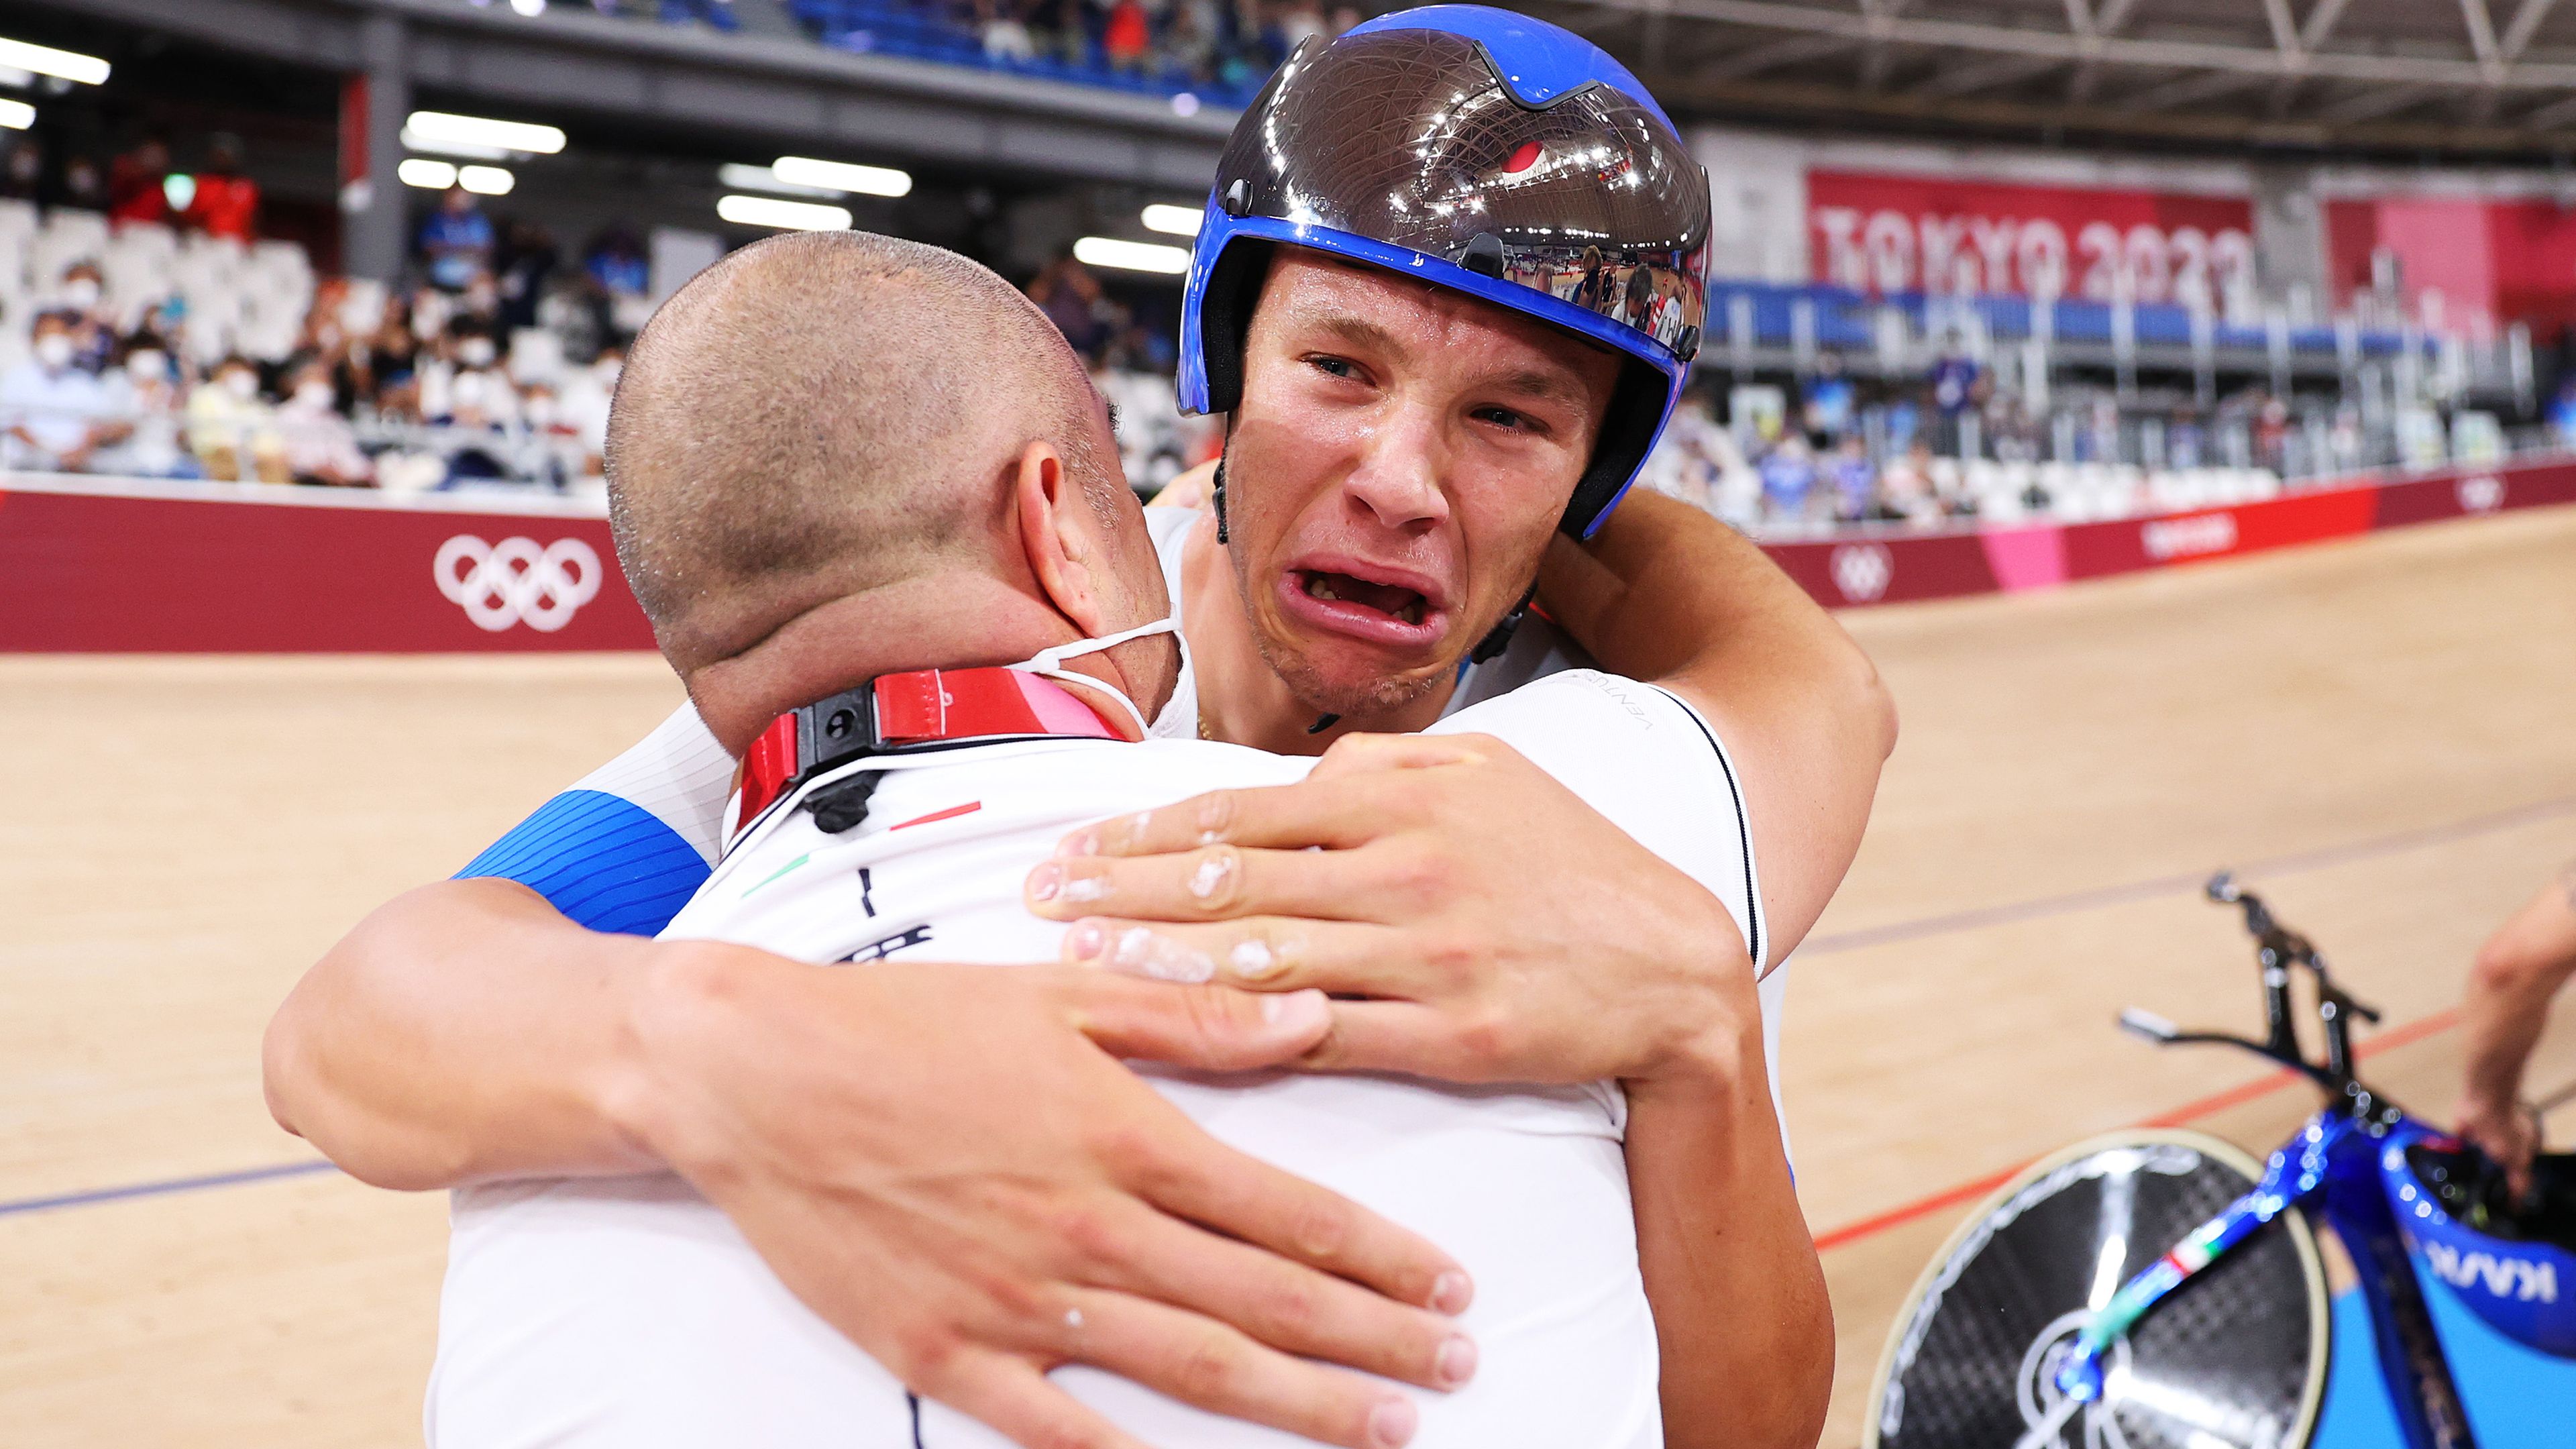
pixel 2235 1357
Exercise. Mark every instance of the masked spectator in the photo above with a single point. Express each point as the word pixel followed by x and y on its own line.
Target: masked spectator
pixel 1005 35
pixel 138 184
pixel 456 241
pixel 617 264
pixel 318 444
pixel 83 297
pixel 586 396
pixel 1788 478
pixel 227 202
pixel 230 425
pixel 57 414
pixel 1853 479
pixel 146 391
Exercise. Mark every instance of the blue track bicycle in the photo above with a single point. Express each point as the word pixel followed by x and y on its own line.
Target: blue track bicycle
pixel 2158 1290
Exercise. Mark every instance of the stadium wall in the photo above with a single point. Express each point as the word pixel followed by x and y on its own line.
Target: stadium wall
pixel 106 565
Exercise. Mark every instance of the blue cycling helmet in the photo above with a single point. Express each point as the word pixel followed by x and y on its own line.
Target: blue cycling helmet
pixel 1489 153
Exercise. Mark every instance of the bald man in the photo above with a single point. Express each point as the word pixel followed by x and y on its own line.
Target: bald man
pixel 813 593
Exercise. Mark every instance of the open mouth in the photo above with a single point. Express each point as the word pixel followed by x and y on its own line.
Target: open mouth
pixel 1405 606
pixel 1398 612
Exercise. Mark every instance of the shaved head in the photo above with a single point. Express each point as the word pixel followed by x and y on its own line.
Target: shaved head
pixel 823 413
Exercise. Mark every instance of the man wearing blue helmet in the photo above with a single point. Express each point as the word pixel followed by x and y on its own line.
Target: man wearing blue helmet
pixel 1418 418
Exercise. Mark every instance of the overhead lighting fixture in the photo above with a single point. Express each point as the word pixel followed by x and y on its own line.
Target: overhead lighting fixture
pixel 426 174
pixel 842 176
pixel 783 215
pixel 486 180
pixel 1130 256
pixel 529 8
pixel 760 178
pixel 1173 220
pixel 180 190
pixel 70 65
pixel 414 141
pixel 439 130
pixel 16 115
pixel 1185 104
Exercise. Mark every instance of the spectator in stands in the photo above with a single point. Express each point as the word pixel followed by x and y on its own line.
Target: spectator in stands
pixel 82 296
pixel 1905 488
pixel 526 265
pixel 584 407
pixel 1300 21
pixel 1005 35
pixel 1855 482
pixel 1788 478
pixel 318 445
pixel 145 392
pixel 84 189
pixel 1073 300
pixel 619 266
pixel 1829 401
pixel 227 202
pixel 22 178
pixel 57 414
pixel 138 184
pixel 456 241
pixel 230 425
pixel 1126 38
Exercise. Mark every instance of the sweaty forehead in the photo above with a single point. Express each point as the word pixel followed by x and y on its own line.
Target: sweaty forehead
pixel 1366 304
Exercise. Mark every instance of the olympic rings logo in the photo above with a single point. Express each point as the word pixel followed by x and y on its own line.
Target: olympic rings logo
pixel 516 582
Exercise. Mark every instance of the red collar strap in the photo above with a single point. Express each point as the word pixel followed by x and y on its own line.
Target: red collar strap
pixel 901 711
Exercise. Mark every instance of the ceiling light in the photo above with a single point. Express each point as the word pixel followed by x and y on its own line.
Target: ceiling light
pixel 761 178
pixel 180 190
pixel 1173 220
pixel 414 141
pixel 486 180
pixel 16 115
pixel 842 176
pixel 784 215
pixel 1129 256
pixel 1185 104
pixel 440 130
pixel 426 174
pixel 530 8
pixel 89 70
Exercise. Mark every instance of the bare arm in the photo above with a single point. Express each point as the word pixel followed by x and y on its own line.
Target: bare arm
pixel 2518 970
pixel 871 1132
pixel 1742 1321
pixel 463 1031
pixel 1665 592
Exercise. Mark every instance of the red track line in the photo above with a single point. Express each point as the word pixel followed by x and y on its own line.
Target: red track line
pixel 2192 1111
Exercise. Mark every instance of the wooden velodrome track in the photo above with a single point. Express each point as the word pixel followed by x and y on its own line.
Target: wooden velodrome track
pixel 2377 733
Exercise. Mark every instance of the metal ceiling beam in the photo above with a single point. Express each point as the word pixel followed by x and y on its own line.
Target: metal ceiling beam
pixel 2002 70
pixel 2115 49
pixel 2370 103
pixel 1788 50
pixel 2525 23
pixel 2079 17
pixel 2321 23
pixel 2185 90
pixel 2551 116
pixel 2112 15
pixel 2482 36
pixel 2285 31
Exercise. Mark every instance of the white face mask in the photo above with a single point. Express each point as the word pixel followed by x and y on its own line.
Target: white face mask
pixel 81 292
pixel 316 395
pixel 147 366
pixel 243 385
pixel 475 352
pixel 1047 662
pixel 54 350
pixel 606 371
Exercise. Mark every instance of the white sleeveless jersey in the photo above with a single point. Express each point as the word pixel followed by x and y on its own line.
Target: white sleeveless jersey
pixel 629 1312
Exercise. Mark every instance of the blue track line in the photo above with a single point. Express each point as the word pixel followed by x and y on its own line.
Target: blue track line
pixel 163 1188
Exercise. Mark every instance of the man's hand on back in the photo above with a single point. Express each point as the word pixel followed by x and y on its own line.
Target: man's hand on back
pixel 1500 928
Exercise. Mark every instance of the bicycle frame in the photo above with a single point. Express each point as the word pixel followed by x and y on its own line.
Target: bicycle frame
pixel 2333 1168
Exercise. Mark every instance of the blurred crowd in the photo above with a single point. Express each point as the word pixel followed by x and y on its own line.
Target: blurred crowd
pixel 1229 45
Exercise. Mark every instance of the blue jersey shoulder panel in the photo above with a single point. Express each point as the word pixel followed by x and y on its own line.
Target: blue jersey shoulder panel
pixel 602 860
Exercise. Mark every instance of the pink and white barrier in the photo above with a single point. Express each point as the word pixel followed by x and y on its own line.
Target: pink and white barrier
pixel 1896 567
pixel 96 564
